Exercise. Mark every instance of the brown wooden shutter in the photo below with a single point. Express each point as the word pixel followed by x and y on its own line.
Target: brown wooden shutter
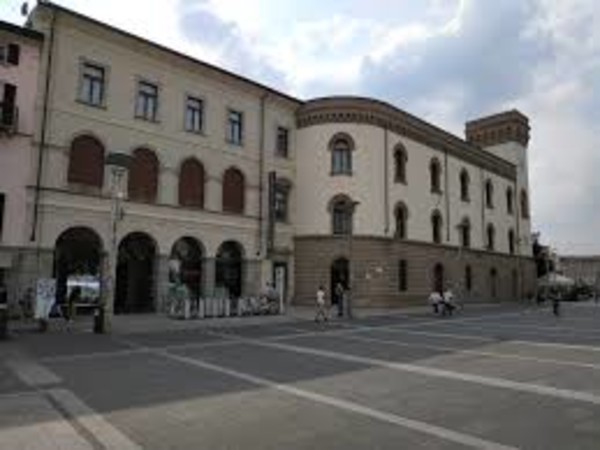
pixel 143 176
pixel 191 184
pixel 86 162
pixel 233 191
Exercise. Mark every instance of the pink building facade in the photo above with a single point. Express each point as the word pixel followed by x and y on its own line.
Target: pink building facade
pixel 20 51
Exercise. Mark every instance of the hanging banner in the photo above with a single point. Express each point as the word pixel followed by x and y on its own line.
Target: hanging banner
pixel 271 222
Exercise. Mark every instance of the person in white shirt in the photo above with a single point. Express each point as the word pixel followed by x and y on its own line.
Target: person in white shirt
pixel 448 300
pixel 321 310
pixel 435 299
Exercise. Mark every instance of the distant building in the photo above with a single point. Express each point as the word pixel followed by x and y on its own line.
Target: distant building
pixel 237 184
pixel 585 269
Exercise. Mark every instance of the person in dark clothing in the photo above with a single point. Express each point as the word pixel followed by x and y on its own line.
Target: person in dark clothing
pixel 74 298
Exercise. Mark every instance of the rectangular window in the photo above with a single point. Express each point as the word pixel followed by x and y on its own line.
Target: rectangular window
pixel 8 110
pixel 402 276
pixel 282 142
pixel 147 101
pixel 92 84
pixel 13 55
pixel 281 203
pixel 2 54
pixel 194 115
pixel 235 127
pixel 2 202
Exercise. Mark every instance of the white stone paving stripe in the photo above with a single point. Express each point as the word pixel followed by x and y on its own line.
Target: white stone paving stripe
pixel 32 373
pixel 108 435
pixel 527 327
pixel 423 427
pixel 589 348
pixel 491 354
pixel 565 394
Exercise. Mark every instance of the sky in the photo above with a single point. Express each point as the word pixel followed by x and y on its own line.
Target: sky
pixel 446 61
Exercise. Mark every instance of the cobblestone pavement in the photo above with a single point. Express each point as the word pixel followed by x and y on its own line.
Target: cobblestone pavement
pixel 498 377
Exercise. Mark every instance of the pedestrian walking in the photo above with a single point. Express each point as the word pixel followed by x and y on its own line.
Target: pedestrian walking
pixel 74 298
pixel 435 300
pixel 448 302
pixel 556 298
pixel 321 314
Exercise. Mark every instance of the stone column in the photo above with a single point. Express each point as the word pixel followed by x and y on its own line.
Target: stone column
pixel 168 186
pixel 209 267
pixel 161 283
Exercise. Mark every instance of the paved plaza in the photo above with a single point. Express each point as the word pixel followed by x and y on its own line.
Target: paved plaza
pixel 494 377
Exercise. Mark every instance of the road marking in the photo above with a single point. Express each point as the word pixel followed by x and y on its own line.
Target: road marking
pixel 556 329
pixel 423 427
pixel 106 434
pixel 500 355
pixel 32 373
pixel 590 348
pixel 565 394
pixel 466 337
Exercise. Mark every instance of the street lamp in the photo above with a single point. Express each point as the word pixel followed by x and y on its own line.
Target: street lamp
pixel 351 209
pixel 118 163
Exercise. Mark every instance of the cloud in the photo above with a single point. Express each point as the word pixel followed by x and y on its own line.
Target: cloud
pixel 232 48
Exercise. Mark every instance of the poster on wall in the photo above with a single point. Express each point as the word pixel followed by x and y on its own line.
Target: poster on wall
pixel 45 297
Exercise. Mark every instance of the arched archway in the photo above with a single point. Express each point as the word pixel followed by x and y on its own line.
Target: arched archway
pixel 229 268
pixel 187 255
pixel 135 274
pixel 340 273
pixel 77 261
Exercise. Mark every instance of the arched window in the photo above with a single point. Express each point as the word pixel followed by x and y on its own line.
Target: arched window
pixel 435 172
pixel 468 278
pixel 511 242
pixel 401 213
pixel 491 237
pixel 465 232
pixel 143 176
pixel 464 185
pixel 342 213
pixel 524 205
pixel 400 159
pixel 489 194
pixel 509 201
pixel 191 184
pixel 436 227
pixel 341 147
pixel 86 162
pixel 234 190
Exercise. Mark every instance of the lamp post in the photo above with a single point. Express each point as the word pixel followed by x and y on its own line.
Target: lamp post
pixel 348 304
pixel 118 163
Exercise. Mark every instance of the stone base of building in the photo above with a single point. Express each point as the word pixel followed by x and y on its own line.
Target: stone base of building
pixel 377 274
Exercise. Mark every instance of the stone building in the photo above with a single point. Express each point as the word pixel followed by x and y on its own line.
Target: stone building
pixel 238 184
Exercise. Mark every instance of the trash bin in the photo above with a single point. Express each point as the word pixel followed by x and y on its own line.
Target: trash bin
pixel 99 320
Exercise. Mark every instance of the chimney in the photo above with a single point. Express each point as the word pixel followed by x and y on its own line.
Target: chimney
pixel 509 126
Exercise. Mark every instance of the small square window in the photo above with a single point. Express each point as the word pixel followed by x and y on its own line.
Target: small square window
pixel 283 142
pixel 235 127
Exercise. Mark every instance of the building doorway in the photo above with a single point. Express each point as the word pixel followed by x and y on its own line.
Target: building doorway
pixel 135 274
pixel 77 262
pixel 340 273
pixel 494 283
pixel 438 278
pixel 186 265
pixel 228 276
pixel 280 279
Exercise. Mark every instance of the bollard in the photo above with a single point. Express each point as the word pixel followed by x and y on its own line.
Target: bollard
pixel 99 320
pixel 201 308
